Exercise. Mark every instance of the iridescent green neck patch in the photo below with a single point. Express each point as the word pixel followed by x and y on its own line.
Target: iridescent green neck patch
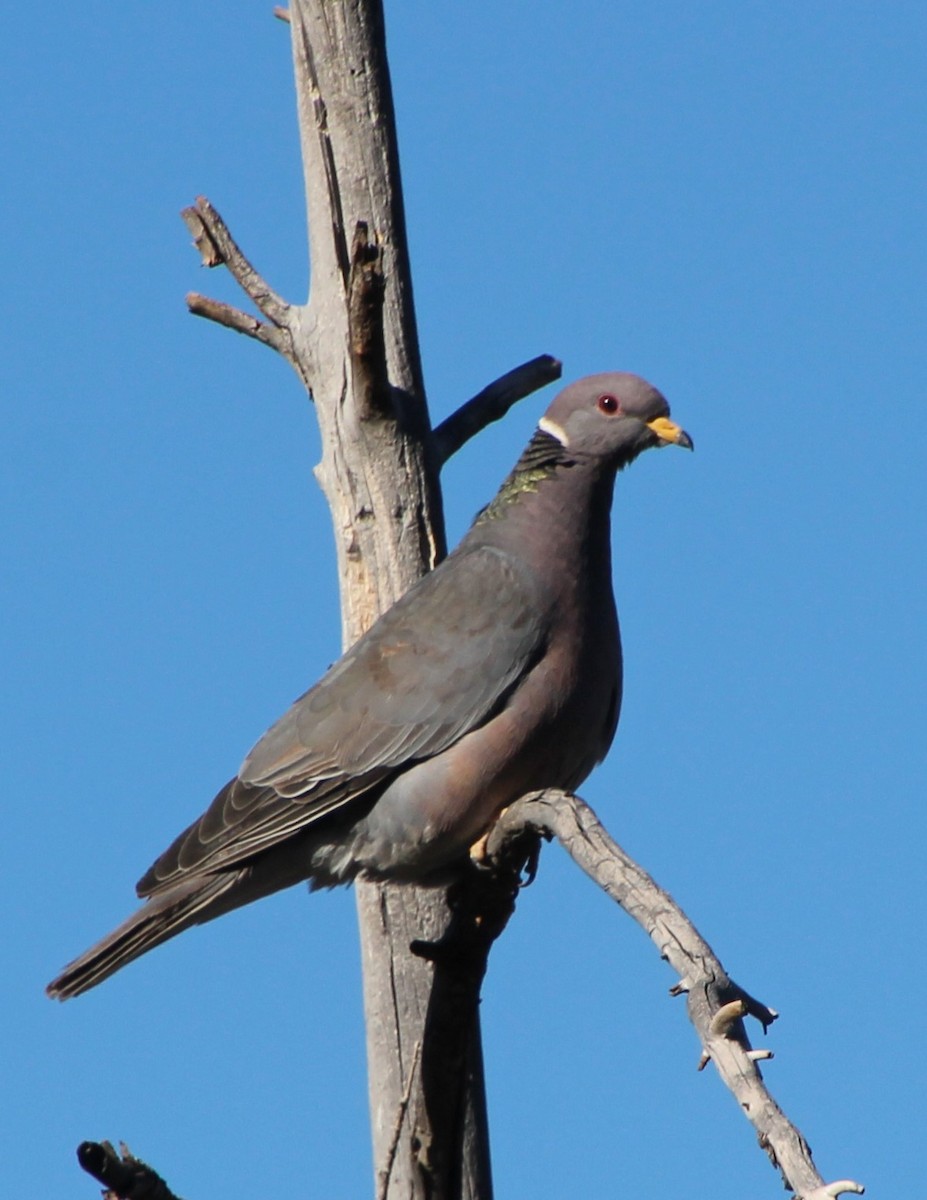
pixel 539 461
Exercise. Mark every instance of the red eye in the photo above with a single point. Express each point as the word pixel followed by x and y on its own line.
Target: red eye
pixel 608 404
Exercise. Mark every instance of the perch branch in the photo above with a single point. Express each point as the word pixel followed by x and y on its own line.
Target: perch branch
pixel 493 402
pixel 217 247
pixel 716 1004
pixel 124 1176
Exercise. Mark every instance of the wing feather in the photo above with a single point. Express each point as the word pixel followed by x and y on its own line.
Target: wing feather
pixel 437 664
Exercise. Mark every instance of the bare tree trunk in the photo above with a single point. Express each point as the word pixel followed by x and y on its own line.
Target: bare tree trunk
pixel 355 345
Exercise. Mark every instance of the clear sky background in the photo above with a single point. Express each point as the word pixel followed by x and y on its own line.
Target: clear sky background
pixel 728 198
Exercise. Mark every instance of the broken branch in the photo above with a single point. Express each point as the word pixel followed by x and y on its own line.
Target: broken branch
pixel 124 1176
pixel 217 247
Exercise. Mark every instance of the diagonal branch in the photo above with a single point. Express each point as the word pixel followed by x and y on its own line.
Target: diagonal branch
pixel 716 1004
pixel 493 402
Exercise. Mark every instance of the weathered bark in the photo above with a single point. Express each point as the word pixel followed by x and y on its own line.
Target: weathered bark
pixel 355 345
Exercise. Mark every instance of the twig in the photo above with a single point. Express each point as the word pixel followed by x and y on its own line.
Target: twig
pixel 217 246
pixel 493 402
pixel 241 322
pixel 123 1175
pixel 716 1004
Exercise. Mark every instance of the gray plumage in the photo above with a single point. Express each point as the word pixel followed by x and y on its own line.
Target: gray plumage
pixel 498 673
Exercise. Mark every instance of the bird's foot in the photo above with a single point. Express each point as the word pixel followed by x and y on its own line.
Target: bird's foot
pixel 522 855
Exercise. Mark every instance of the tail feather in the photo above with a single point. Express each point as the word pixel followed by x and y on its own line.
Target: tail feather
pixel 189 903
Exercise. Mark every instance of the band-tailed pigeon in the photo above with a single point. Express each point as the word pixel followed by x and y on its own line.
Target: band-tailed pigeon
pixel 496 674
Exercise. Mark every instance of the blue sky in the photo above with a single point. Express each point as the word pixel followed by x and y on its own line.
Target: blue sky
pixel 727 198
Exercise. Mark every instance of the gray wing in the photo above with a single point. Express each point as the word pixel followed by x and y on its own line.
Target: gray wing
pixel 437 664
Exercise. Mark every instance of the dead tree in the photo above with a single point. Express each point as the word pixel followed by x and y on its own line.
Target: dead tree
pixel 354 346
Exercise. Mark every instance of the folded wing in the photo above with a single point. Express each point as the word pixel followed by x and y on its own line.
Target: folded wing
pixel 437 664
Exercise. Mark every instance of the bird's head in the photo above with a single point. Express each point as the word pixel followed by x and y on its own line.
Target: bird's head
pixel 611 418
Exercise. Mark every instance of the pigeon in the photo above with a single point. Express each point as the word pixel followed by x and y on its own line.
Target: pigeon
pixel 496 674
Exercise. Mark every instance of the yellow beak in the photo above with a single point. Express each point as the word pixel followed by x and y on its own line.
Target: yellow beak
pixel 669 432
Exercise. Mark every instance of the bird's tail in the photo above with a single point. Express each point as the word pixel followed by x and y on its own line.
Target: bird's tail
pixel 189 903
